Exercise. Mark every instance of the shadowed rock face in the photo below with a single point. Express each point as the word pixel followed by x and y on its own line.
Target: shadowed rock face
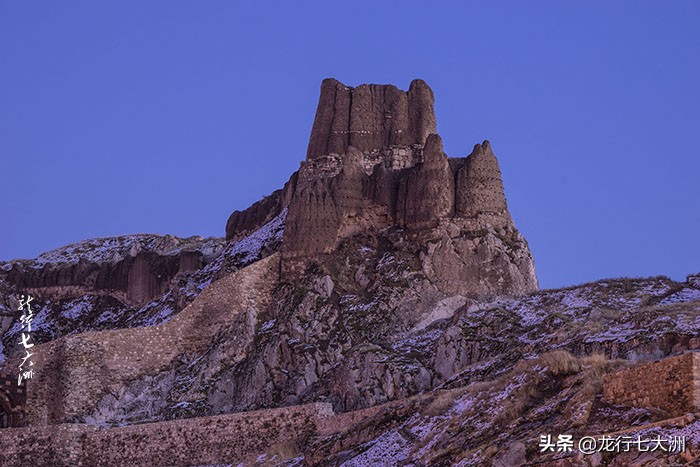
pixel 133 279
pixel 103 283
pixel 325 209
pixel 426 192
pixel 242 223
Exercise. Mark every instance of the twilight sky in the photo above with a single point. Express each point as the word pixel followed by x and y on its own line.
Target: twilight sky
pixel 165 116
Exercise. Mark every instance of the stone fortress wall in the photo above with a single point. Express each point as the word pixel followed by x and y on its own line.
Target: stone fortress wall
pixel 671 384
pixel 218 439
pixel 375 160
pixel 330 165
pixel 73 372
pixel 12 400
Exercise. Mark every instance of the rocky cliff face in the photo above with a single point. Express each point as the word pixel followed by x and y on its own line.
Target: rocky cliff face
pixel 240 224
pixel 374 162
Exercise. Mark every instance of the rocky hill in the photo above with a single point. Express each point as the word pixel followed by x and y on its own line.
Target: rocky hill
pixel 385 279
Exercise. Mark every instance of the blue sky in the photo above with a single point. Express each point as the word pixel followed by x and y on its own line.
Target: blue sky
pixel 163 117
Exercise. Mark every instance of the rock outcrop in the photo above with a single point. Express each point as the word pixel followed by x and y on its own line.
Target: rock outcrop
pixel 133 269
pixel 107 283
pixel 426 193
pixel 480 187
pixel 694 280
pixel 370 117
pixel 242 223
pixel 375 161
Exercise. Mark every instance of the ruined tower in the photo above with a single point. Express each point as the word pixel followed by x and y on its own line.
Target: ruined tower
pixel 375 160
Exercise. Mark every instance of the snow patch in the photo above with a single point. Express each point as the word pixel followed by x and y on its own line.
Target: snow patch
pixel 115 249
pixel 621 333
pixel 76 309
pixel 250 247
pixel 163 316
pixel 106 317
pixel 684 295
pixel 268 325
pixel 41 322
pixel 246 250
pixel 390 445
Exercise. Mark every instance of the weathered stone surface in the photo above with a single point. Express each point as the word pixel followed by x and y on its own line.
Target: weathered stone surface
pixel 313 219
pixel 12 400
pixel 73 373
pixel 365 324
pixel 426 194
pixel 326 209
pixel 217 440
pixel 370 117
pixel 133 269
pixel 672 384
pixel 375 161
pixel 421 115
pixel 479 260
pixel 480 186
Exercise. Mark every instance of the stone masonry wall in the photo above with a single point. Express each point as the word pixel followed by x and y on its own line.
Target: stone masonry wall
pixel 12 400
pixel 342 421
pixel 672 384
pixel 197 441
pixel 73 372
